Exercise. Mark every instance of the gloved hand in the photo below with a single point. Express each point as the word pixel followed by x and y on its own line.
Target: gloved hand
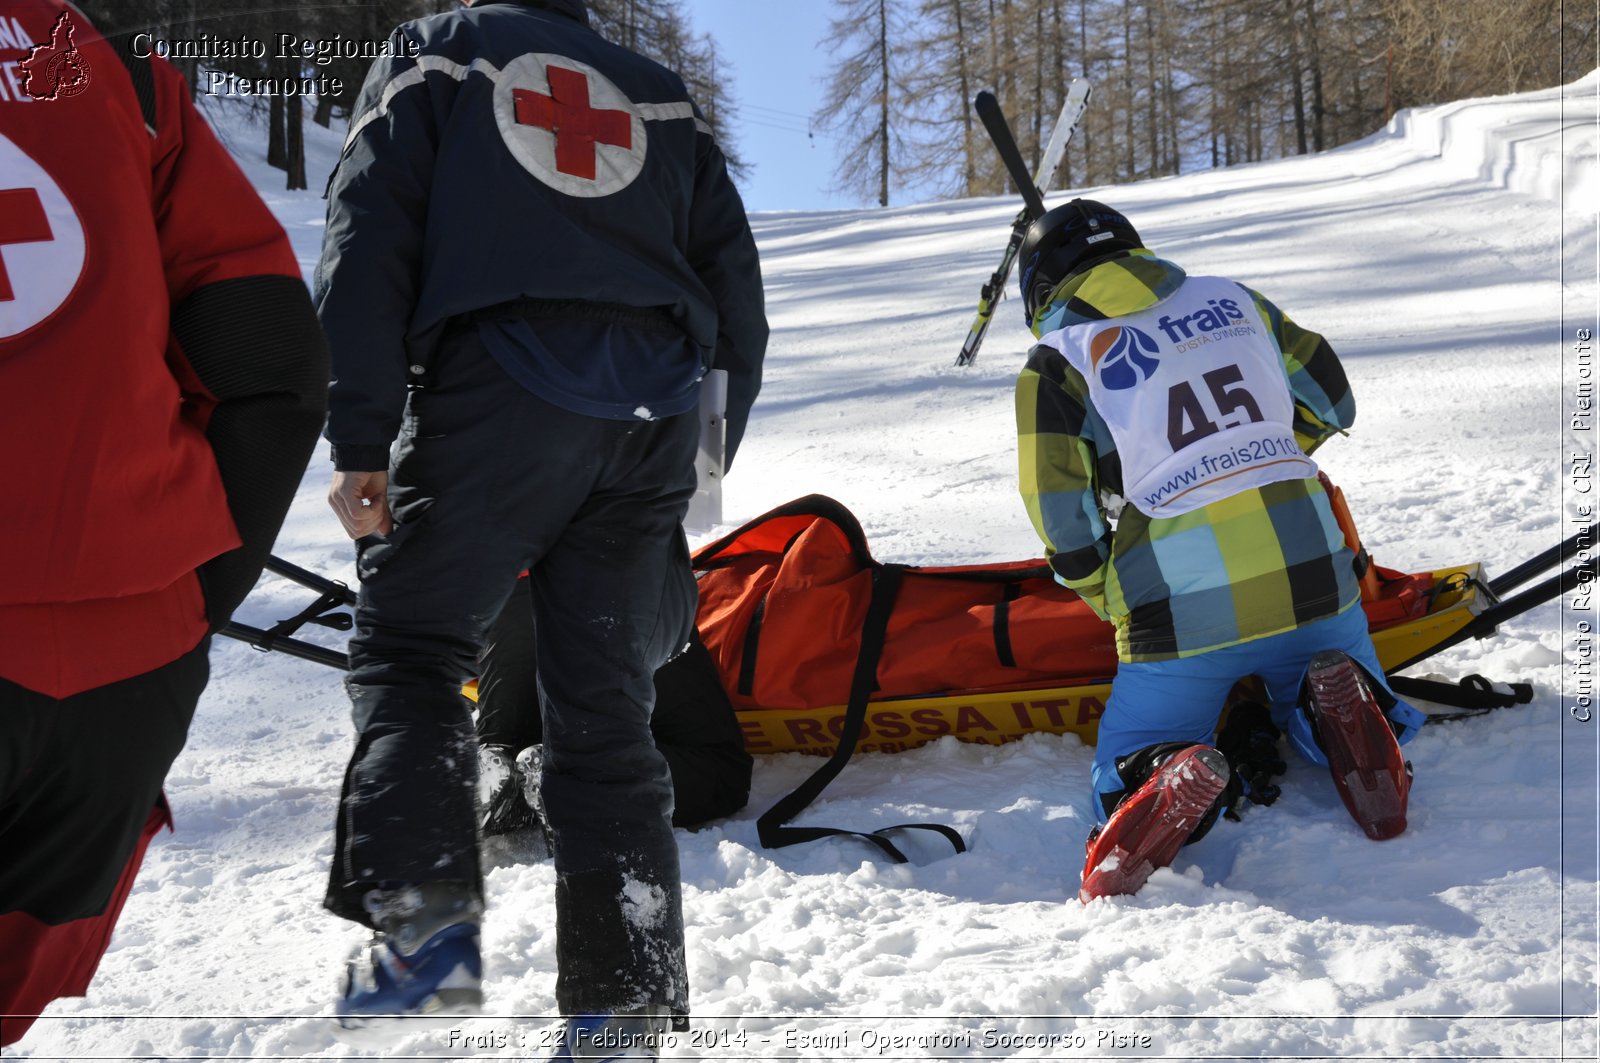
pixel 1250 742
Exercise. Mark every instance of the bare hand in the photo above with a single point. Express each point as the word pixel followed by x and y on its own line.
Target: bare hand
pixel 361 501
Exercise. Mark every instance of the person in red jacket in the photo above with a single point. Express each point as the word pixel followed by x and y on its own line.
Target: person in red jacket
pixel 167 380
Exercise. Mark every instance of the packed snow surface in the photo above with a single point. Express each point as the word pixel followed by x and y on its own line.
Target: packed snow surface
pixel 1450 259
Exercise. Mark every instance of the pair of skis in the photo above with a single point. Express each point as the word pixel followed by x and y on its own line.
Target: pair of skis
pixel 1032 187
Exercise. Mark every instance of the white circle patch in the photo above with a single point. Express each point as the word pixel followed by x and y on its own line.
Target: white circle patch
pixel 41 242
pixel 568 125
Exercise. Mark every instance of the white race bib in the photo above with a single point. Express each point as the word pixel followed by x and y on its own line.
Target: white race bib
pixel 1195 394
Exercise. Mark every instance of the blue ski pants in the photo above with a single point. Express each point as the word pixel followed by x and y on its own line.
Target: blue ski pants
pixel 1181 700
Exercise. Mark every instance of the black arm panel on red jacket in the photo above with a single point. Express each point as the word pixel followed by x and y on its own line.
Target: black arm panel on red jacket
pixel 255 346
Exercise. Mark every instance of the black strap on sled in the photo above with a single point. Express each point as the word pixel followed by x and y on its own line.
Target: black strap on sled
pixel 1474 693
pixel 771 827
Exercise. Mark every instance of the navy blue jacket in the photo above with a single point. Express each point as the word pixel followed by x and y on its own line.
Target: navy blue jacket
pixel 511 170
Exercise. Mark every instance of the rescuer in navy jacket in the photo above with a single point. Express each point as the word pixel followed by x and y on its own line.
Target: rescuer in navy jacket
pixel 533 255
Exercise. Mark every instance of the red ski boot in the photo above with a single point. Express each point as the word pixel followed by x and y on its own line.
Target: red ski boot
pixel 1363 755
pixel 1148 828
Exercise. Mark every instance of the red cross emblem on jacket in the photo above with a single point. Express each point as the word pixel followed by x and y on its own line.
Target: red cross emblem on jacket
pixel 577 126
pixel 569 125
pixel 22 221
pixel 42 246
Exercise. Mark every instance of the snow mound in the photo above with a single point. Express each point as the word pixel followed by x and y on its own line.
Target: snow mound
pixel 1540 143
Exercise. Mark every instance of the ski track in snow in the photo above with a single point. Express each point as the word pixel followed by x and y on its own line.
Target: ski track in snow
pixel 1432 256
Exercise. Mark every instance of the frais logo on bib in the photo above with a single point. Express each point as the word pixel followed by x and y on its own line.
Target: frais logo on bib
pixel 1123 356
pixel 1217 320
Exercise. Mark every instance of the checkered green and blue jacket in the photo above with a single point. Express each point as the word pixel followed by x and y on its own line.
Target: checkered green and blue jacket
pixel 1260 562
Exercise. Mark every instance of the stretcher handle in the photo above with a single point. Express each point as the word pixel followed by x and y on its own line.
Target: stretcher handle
pixel 1556 555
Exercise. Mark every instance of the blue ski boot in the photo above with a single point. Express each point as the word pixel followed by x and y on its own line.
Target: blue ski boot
pixel 423 961
pixel 634 1034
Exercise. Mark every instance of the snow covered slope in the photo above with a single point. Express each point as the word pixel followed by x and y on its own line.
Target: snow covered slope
pixel 1449 259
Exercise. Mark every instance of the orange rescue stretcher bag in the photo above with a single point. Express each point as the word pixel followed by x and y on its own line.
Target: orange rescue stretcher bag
pixel 824 649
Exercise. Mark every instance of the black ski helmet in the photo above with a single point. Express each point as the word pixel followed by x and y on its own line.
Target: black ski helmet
pixel 1065 240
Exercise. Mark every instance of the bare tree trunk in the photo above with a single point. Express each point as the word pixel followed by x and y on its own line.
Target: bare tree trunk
pixel 883 103
pixel 1058 36
pixel 1008 55
pixel 1130 166
pixel 184 18
pixel 1084 59
pixel 296 158
pixel 994 50
pixel 1009 73
pixel 1318 104
pixel 963 77
pixel 1296 79
pixel 1154 101
pixel 1215 120
pixel 277 148
pixel 1036 130
pixel 1388 84
pixel 1170 34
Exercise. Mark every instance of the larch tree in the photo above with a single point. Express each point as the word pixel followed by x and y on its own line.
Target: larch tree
pixel 866 98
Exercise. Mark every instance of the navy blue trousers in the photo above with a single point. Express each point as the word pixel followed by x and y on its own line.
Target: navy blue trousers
pixel 489 480
pixel 693 723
